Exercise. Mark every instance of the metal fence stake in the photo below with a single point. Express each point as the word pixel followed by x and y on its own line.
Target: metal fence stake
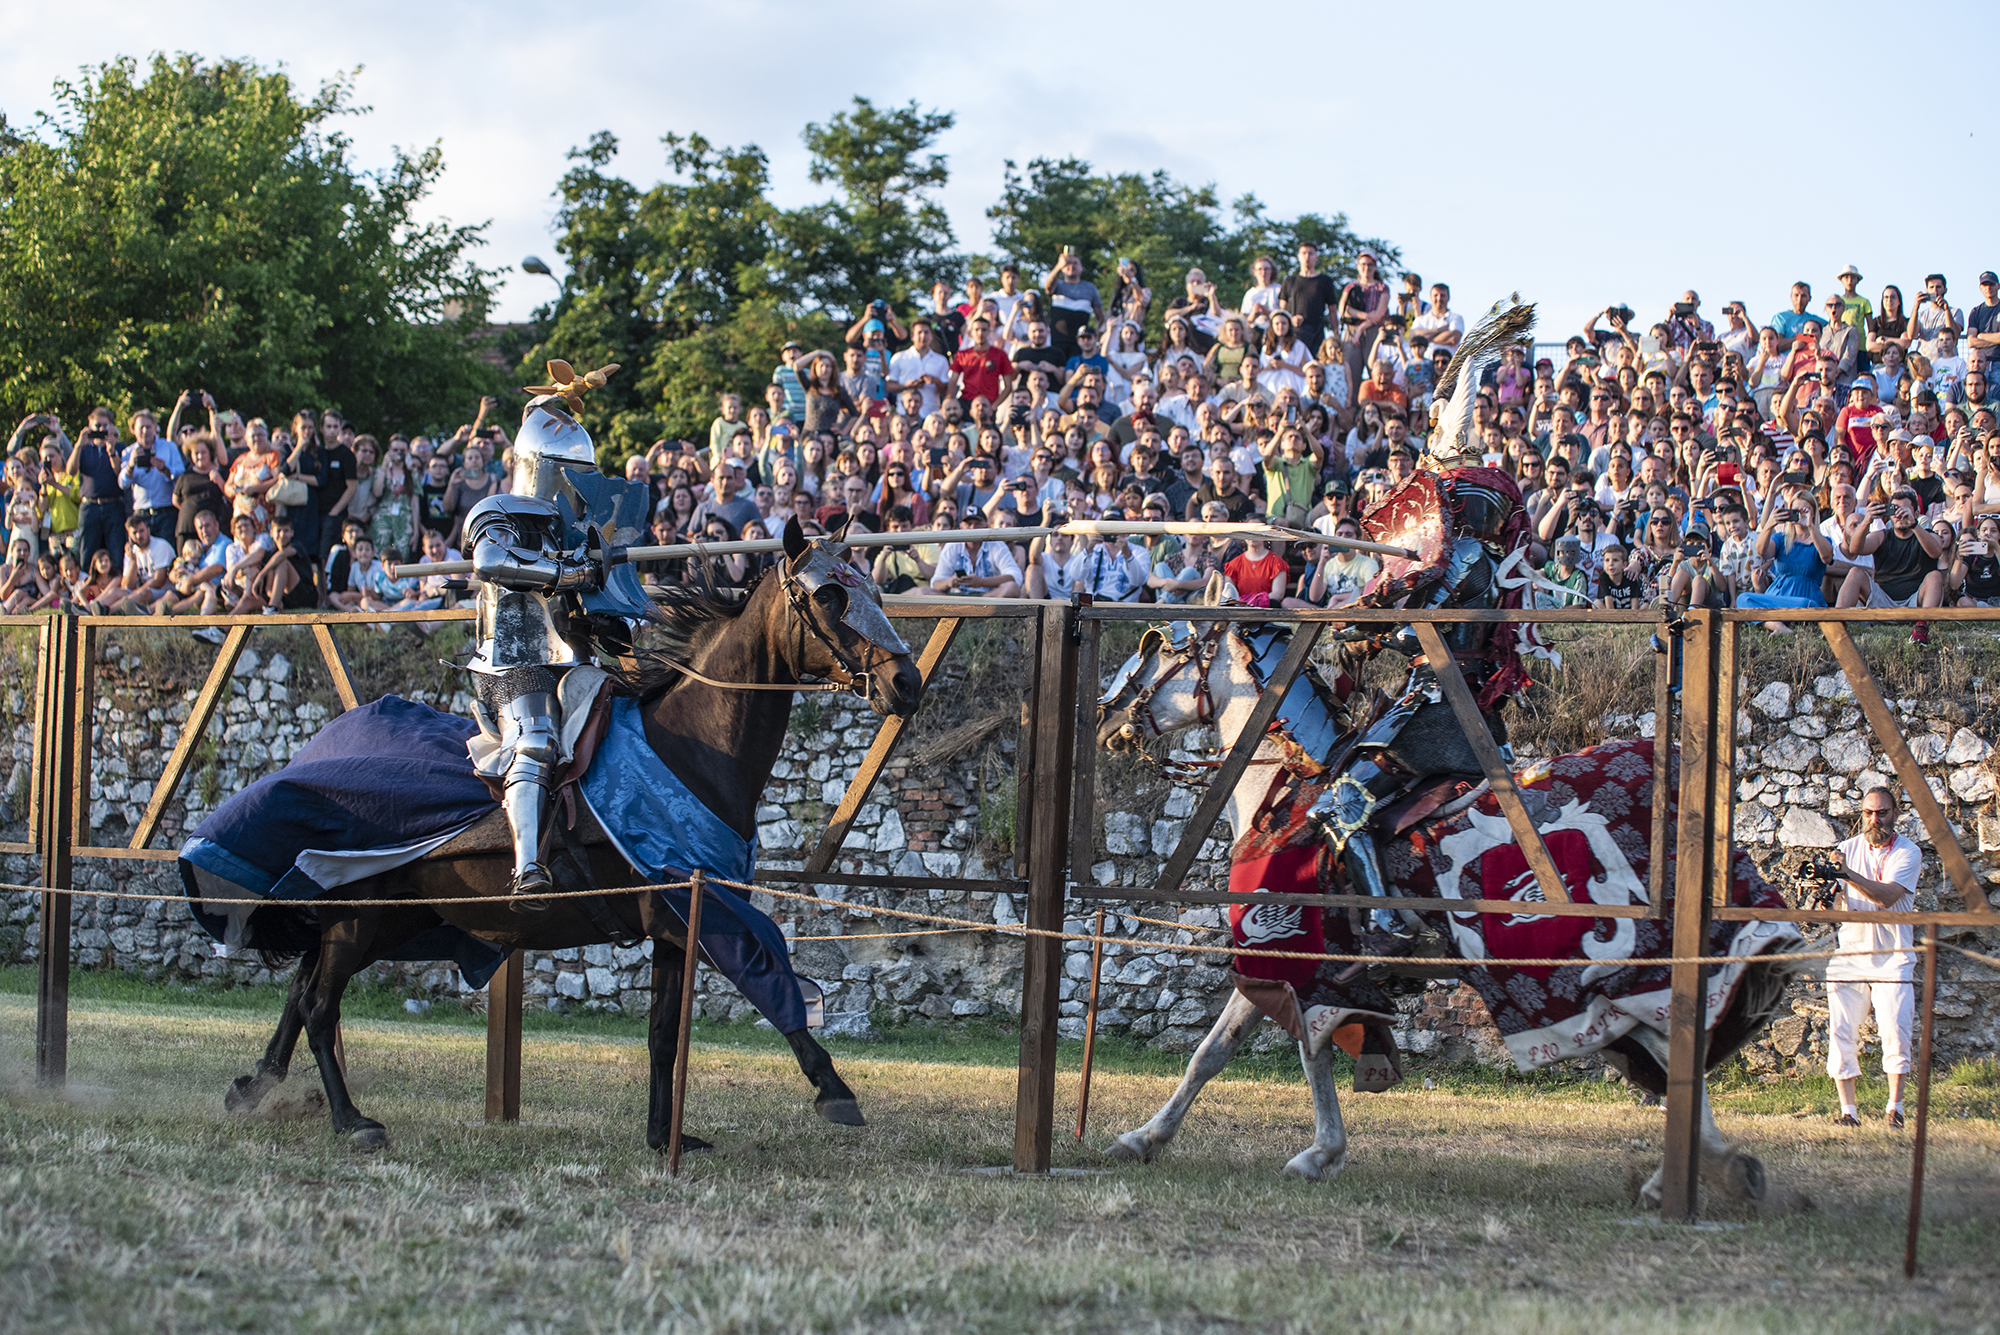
pixel 684 1039
pixel 1090 1026
pixel 1923 1102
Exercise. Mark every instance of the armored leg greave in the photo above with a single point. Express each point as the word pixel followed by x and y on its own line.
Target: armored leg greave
pixel 527 724
pixel 1341 817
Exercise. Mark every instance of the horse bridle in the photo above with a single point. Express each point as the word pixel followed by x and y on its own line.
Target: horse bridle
pixel 799 597
pixel 1198 651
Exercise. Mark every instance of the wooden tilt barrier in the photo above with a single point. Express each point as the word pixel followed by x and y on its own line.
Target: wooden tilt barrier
pixel 1056 762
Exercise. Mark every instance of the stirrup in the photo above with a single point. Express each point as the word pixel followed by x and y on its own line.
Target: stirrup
pixel 530 881
pixel 1384 945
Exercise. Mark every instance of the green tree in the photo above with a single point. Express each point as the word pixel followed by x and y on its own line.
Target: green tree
pixel 203 227
pixel 884 236
pixel 694 285
pixel 657 282
pixel 1165 225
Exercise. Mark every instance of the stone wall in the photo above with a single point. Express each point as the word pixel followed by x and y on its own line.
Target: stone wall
pixel 1805 759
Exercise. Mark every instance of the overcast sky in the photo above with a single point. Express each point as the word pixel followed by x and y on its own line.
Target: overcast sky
pixel 1580 154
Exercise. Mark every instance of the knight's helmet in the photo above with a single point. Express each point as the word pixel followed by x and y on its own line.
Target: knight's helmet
pixel 551 440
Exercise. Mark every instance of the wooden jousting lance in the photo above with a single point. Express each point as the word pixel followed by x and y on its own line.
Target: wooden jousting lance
pixel 1107 528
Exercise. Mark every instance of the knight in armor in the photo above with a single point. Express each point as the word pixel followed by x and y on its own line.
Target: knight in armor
pixel 1483 522
pixel 552 595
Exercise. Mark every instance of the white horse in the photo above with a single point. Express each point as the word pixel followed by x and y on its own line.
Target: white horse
pixel 1207 673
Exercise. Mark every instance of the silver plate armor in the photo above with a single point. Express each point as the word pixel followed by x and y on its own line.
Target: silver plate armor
pixel 529 585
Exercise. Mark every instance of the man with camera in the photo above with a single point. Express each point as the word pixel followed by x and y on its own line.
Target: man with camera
pixel 147 480
pixel 876 312
pixel 1935 314
pixel 1684 322
pixel 101 519
pixel 1878 870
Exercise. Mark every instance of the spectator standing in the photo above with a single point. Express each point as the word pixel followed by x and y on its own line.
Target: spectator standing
pixel 1790 323
pixel 256 475
pixel 1309 295
pixel 200 487
pixel 789 377
pixel 1261 297
pixel 1364 305
pixel 1073 303
pixel 307 463
pixel 1879 870
pixel 1982 322
pixel 921 365
pixel 1440 326
pixel 469 485
pixel 146 432
pixel 829 407
pixel 392 519
pixel 339 471
pixel 101 513
pixel 1935 314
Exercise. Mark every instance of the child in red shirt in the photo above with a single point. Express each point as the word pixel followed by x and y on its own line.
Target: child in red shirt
pixel 1258 570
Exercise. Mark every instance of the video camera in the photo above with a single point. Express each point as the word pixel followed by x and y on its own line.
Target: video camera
pixel 1823 879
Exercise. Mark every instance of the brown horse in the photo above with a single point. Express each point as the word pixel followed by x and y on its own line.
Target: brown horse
pixel 799 622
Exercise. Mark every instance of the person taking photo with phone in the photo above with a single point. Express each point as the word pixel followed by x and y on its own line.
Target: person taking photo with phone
pixel 1906 557
pixel 1790 539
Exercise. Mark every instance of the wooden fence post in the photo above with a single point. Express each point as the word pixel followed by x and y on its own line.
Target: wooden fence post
pixel 61 737
pixel 1048 864
pixel 66 747
pixel 503 1039
pixel 1686 1018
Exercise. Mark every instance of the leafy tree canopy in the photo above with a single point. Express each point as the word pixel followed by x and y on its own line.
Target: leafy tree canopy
pixel 695 284
pixel 201 226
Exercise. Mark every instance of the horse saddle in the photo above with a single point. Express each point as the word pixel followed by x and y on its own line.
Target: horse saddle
pixel 568 854
pixel 491 834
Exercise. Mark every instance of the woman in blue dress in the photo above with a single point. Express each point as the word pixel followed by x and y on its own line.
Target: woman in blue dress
pixel 1789 538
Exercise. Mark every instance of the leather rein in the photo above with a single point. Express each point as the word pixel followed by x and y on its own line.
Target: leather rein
pixel 857 678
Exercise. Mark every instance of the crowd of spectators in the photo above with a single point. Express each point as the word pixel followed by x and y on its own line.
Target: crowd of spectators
pixel 1837 452
pixel 218 513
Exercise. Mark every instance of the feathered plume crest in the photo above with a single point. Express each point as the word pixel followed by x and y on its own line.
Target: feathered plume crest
pixel 1476 355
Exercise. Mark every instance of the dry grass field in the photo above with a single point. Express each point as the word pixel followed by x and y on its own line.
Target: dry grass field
pixel 134 1204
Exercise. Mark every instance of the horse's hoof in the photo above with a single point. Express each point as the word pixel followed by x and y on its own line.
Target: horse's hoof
pixel 1314 1165
pixel 243 1094
pixel 369 1138
pixel 1746 1173
pixel 841 1112
pixel 1128 1148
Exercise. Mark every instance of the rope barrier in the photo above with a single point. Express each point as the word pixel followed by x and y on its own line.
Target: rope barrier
pixel 952 926
pixel 1989 961
pixel 1021 929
